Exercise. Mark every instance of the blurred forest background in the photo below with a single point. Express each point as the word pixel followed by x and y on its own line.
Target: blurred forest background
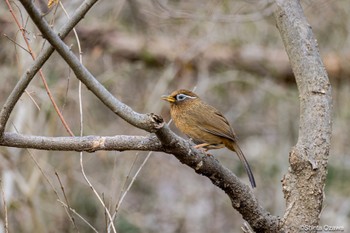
pixel 230 51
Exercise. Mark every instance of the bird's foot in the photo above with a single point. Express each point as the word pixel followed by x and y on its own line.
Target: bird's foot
pixel 203 147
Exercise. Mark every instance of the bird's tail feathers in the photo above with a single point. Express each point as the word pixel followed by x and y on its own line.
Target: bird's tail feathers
pixel 234 147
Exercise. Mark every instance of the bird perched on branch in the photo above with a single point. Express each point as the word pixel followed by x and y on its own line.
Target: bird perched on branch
pixel 204 124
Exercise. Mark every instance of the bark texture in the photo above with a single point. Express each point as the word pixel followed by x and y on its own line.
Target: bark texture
pixel 303 185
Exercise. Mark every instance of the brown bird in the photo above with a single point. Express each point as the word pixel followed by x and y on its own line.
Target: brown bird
pixel 204 124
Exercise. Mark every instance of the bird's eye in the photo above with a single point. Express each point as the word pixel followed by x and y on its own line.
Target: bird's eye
pixel 181 97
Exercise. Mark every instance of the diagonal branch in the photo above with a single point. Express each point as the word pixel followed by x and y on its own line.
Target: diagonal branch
pixel 242 197
pixel 38 63
pixel 142 121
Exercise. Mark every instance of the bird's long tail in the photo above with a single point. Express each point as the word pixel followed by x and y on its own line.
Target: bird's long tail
pixel 234 147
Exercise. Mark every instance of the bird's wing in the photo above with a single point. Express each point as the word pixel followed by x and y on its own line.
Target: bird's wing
pixel 215 123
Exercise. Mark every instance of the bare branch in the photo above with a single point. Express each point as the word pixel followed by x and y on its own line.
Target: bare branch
pixel 303 185
pixel 86 143
pixel 38 63
pixel 75 212
pixel 242 197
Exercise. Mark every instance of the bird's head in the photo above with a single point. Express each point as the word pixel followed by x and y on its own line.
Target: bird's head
pixel 180 97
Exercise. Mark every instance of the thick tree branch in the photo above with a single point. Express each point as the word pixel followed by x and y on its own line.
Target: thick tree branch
pixel 86 143
pixel 303 185
pixel 142 121
pixel 38 63
pixel 242 197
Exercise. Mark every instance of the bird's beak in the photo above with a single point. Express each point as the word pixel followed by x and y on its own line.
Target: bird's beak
pixel 168 98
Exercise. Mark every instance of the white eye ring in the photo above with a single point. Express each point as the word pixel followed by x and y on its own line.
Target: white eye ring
pixel 182 97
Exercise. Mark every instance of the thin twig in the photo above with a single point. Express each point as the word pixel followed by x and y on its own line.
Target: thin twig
pixel 15 42
pixel 125 191
pixel 96 194
pixel 131 183
pixel 52 186
pixel 81 62
pixel 77 214
pixel 41 74
pixel 38 63
pixel 125 184
pixel 39 167
pixel 120 201
pixel 105 213
pixel 65 197
pixel 33 100
pixel 49 182
pixel 26 50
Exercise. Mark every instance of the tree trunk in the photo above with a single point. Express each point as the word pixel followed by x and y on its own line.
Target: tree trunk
pixel 303 185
